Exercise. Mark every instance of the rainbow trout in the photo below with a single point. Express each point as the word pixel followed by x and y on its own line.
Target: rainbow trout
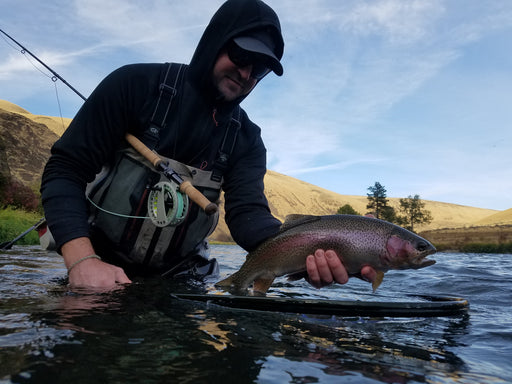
pixel 357 240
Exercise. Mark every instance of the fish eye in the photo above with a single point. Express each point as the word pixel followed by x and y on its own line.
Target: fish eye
pixel 422 246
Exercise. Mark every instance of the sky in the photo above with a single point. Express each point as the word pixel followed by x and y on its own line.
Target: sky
pixel 413 94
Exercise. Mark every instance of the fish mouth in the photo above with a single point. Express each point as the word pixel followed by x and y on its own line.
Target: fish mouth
pixel 421 261
pixel 407 254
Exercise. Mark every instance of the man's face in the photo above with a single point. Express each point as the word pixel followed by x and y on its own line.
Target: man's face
pixel 231 80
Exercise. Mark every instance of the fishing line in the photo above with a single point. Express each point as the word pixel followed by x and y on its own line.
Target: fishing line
pixel 8 42
pixel 166 205
pixel 115 213
pixel 58 103
pixel 54 79
pixel 55 74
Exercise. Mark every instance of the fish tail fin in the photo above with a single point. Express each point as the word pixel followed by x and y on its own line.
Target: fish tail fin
pixel 226 283
pixel 378 280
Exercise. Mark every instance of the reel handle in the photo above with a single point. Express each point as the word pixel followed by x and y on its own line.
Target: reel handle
pixel 185 186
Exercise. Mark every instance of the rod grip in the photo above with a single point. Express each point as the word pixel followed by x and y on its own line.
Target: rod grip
pixel 197 197
pixel 143 150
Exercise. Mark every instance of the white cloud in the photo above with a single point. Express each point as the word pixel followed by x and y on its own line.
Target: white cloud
pixel 168 30
pixel 394 20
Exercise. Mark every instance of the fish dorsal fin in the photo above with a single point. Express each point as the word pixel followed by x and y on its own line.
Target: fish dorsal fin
pixel 294 220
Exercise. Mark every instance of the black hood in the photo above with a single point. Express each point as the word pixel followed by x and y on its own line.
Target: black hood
pixel 233 18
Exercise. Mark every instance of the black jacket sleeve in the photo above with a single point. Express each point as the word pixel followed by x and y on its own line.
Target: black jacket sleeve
pixel 89 142
pixel 248 214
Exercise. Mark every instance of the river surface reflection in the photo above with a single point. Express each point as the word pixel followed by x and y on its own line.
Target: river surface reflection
pixel 140 333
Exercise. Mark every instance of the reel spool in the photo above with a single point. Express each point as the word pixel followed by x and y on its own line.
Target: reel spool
pixel 166 204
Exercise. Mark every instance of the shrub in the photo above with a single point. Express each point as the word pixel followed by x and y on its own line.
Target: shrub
pixel 17 195
pixel 487 248
pixel 347 210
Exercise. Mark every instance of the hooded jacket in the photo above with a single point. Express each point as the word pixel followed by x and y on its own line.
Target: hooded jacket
pixel 124 101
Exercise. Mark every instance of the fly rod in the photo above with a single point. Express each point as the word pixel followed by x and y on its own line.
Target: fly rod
pixel 9 244
pixel 55 74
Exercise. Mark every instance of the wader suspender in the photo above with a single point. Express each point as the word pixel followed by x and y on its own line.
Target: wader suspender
pixel 168 89
pixel 226 148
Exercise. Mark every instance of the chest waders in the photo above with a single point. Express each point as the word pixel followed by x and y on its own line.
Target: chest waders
pixel 138 217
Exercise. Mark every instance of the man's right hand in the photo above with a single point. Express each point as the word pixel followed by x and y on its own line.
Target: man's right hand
pixel 94 273
pixel 325 267
pixel 91 272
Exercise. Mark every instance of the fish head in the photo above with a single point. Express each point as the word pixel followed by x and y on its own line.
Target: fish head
pixel 407 250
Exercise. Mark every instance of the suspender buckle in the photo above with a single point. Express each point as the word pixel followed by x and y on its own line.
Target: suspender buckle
pixel 236 123
pixel 221 165
pixel 164 88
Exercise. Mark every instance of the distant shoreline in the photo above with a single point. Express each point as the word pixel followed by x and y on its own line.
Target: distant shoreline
pixel 476 239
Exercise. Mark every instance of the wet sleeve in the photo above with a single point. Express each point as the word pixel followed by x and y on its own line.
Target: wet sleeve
pixel 248 214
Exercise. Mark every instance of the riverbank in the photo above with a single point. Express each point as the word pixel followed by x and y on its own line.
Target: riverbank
pixel 13 222
pixel 488 239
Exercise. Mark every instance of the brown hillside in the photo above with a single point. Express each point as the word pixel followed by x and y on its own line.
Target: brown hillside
pixel 56 124
pixel 500 218
pixel 288 195
pixel 25 141
pixel 25 147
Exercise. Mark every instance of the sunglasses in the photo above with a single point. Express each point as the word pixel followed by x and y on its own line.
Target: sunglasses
pixel 242 58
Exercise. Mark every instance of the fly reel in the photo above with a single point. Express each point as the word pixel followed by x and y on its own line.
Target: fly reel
pixel 166 204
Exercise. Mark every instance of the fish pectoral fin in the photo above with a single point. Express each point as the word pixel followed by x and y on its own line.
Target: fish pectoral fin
pixel 226 283
pixel 262 284
pixel 378 280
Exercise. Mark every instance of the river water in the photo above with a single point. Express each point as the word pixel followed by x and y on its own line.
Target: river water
pixel 141 334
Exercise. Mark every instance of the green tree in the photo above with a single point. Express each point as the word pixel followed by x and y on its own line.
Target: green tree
pixel 413 212
pixel 389 214
pixel 377 201
pixel 347 210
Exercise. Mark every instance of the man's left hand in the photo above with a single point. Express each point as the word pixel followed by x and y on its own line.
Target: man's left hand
pixel 325 267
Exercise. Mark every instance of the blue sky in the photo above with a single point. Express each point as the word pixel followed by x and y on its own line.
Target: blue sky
pixel 415 94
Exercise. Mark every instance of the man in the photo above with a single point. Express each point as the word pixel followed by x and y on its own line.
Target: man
pixel 241 44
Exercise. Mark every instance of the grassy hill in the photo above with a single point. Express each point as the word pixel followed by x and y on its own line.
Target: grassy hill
pixel 500 218
pixel 55 124
pixel 288 195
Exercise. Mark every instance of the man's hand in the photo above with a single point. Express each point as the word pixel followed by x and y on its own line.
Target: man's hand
pixel 94 273
pixel 91 272
pixel 325 267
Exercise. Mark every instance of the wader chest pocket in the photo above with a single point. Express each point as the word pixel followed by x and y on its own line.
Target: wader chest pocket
pixel 119 199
